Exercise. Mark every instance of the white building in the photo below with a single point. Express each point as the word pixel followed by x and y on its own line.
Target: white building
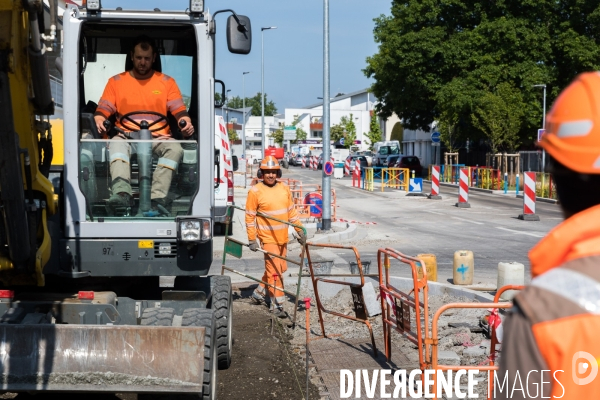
pixel 414 142
pixel 254 131
pixel 358 104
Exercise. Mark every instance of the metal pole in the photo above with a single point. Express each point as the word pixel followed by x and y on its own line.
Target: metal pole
pixel 262 92
pixel 262 87
pixel 544 128
pixel 244 114
pixel 326 157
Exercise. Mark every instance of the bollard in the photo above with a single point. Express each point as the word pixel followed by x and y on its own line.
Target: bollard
pixel 510 273
pixel 517 184
pixel 430 266
pixel 303 162
pixel 505 183
pixel 463 189
pixel 529 198
pixel 463 267
pixel 435 183
pixel 307 308
pixel 347 166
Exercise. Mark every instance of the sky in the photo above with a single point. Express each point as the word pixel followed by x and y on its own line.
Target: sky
pixel 293 52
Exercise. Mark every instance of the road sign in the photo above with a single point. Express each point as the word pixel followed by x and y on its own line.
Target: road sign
pixel 289 133
pixel 328 168
pixel 541 133
pixel 435 137
pixel 342 141
pixel 315 200
pixel 416 185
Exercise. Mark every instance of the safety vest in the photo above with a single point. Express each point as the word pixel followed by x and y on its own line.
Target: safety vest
pixel 563 305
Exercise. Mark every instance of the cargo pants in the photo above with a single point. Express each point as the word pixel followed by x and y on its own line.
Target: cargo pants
pixel 274 270
pixel 169 153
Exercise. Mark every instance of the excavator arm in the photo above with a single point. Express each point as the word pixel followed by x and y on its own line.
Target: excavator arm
pixel 26 195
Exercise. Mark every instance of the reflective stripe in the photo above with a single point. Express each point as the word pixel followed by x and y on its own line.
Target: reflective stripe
pixel 572 285
pixel 165 162
pixel 273 227
pixel 107 106
pixel 575 128
pixel 250 212
pixel 119 156
pixel 275 212
pixel 251 225
pixel 173 105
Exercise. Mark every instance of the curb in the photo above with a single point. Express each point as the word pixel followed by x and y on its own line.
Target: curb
pixel 542 199
pixel 350 232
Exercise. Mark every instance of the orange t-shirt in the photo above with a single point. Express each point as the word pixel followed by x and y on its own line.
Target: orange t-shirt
pixel 124 94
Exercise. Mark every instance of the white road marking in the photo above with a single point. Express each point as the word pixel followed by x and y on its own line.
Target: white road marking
pixel 433 212
pixel 468 220
pixel 537 235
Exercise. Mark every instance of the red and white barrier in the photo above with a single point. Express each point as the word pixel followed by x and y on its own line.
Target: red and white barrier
pixel 313 163
pixel 435 183
pixel 347 167
pixel 303 162
pixel 356 175
pixel 463 189
pixel 529 198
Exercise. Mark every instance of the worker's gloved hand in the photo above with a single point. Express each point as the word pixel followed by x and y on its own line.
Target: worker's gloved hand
pixel 253 245
pixel 301 238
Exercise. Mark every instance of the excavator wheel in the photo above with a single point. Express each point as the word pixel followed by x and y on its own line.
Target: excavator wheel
pixel 222 303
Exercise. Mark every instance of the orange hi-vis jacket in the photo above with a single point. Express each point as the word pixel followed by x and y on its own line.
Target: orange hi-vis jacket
pixel 275 202
pixel 556 322
pixel 124 94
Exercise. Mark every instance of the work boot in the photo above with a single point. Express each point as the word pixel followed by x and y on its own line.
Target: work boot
pixel 121 199
pixel 258 298
pixel 278 312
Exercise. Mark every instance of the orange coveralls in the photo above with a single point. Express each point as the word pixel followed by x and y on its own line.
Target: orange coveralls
pixel 275 202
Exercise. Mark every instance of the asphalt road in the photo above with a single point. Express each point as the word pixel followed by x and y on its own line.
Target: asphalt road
pixel 416 225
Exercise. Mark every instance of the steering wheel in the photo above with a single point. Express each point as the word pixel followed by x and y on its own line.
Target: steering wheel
pixel 162 118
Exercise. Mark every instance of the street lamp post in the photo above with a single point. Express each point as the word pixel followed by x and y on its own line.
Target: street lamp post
pixel 244 113
pixel 227 108
pixel 543 85
pixel 262 86
pixel 326 180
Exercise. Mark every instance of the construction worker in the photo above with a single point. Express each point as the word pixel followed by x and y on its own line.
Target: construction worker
pixel 553 326
pixel 274 199
pixel 137 90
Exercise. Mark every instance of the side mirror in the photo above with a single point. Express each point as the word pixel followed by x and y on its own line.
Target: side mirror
pixel 239 34
pixel 219 97
pixel 236 163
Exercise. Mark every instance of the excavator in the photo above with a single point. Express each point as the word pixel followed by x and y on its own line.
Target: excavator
pixel 97 298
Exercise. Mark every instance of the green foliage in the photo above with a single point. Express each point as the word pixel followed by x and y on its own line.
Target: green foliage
pixel 443 59
pixel 374 134
pixel 345 129
pixel 300 132
pixel 255 103
pixel 278 136
pixel 232 133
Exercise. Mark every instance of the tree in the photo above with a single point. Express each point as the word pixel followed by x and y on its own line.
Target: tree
pixel 430 50
pixel 374 134
pixel 233 135
pixel 499 116
pixel 255 103
pixel 300 132
pixel 345 129
pixel 278 136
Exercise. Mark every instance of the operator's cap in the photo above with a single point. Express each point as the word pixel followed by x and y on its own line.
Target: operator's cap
pixel 573 125
pixel 269 162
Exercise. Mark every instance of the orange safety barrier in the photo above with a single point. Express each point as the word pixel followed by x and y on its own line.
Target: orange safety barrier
pixel 434 342
pixel 356 289
pixel 401 312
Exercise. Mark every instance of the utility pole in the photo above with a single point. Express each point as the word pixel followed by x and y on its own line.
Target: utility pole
pixel 244 114
pixel 262 88
pixel 543 85
pixel 326 179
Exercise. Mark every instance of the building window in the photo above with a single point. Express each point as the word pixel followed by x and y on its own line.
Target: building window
pixel 317 134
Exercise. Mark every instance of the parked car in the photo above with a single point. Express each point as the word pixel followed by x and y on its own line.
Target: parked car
pixel 412 163
pixel 363 162
pixel 390 161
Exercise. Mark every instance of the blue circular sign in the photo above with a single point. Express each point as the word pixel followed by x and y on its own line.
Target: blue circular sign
pixel 435 137
pixel 342 141
pixel 328 168
pixel 315 200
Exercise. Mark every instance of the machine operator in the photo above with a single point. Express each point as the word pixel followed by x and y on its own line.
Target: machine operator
pixel 134 91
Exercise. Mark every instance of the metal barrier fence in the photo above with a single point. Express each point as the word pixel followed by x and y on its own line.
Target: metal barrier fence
pixel 402 304
pixel 397 178
pixel 356 289
pixel 234 248
pixel 494 341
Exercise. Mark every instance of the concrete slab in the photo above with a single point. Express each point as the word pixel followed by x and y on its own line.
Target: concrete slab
pixel 373 305
pixel 447 357
pixel 474 351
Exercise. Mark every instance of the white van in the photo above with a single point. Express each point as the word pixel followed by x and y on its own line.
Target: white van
pixel 223 180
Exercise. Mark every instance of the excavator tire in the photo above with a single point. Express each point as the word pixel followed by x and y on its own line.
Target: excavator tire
pixel 222 303
pixel 157 317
